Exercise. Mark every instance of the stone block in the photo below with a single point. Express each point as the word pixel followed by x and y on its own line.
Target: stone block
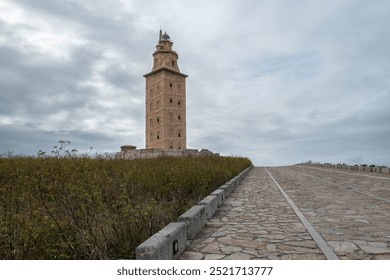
pixel 211 205
pixel 232 182
pixel 167 244
pixel 228 188
pixel 385 170
pixel 220 193
pixel 126 148
pixel 195 219
pixel 236 180
pixel 367 169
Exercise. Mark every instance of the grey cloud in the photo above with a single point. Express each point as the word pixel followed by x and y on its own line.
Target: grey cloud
pixel 35 85
pixel 275 81
pixel 103 22
pixel 31 139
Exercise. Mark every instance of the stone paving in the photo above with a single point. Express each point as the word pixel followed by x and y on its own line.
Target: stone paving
pixel 256 222
pixel 356 225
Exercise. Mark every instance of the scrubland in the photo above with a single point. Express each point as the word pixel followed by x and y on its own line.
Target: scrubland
pixel 84 207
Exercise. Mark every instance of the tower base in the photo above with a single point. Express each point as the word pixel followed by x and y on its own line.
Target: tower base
pixel 133 153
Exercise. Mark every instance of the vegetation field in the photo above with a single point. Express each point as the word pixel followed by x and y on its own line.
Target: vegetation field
pixel 68 207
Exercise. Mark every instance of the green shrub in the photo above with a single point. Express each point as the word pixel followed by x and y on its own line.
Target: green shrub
pixel 68 207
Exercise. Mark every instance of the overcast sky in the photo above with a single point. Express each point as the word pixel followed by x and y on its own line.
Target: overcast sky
pixel 280 82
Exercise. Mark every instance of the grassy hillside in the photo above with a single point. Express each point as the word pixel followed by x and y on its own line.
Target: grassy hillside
pixel 89 208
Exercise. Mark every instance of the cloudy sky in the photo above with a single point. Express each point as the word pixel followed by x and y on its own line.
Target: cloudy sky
pixel 280 82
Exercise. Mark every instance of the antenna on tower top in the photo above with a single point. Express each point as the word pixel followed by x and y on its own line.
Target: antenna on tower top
pixel 160 37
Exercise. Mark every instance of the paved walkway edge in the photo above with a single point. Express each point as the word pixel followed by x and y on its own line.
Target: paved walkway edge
pixel 324 247
pixel 168 243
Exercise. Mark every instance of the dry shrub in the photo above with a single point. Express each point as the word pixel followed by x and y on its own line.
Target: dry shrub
pixel 69 207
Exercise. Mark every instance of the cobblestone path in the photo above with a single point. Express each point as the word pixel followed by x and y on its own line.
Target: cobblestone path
pixel 349 211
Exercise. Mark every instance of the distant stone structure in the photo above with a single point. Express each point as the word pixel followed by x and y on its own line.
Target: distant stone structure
pixel 130 152
pixel 165 120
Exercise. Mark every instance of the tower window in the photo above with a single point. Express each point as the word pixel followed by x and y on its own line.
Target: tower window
pixel 173 63
pixel 158 119
pixel 170 85
pixel 179 135
pixel 178 117
pixel 170 100
pixel 178 103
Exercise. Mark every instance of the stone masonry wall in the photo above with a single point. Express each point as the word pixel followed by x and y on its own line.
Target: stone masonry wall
pixel 155 153
pixel 376 169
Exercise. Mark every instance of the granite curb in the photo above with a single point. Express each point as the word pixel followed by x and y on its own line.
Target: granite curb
pixel 171 241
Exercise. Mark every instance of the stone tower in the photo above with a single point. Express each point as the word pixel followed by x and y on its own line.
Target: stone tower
pixel 165 100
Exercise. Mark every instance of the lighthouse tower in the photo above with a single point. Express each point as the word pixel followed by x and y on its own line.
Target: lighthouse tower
pixel 165 100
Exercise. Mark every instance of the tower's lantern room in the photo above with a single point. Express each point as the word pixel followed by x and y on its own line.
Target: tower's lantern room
pixel 164 56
